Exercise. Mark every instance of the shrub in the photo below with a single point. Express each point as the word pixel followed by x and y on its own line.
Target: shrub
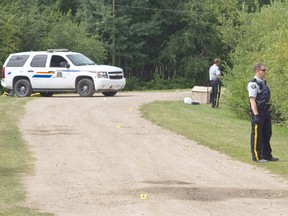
pixel 264 39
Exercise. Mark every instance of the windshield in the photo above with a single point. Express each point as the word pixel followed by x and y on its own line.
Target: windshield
pixel 80 59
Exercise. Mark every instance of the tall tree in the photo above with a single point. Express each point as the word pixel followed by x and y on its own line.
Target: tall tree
pixel 125 28
pixel 9 31
pixel 68 5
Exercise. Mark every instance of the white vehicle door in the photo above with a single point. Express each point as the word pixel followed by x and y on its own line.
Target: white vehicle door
pixel 62 77
pixel 38 71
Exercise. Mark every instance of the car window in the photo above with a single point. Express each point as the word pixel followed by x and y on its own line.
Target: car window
pixel 17 60
pixel 39 61
pixel 80 59
pixel 56 60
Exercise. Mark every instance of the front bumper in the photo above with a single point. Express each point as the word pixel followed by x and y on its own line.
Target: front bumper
pixel 106 85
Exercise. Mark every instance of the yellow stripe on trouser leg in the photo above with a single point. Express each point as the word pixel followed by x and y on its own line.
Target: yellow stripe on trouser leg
pixel 218 95
pixel 255 141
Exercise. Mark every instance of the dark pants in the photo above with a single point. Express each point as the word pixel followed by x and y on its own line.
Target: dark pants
pixel 260 137
pixel 215 94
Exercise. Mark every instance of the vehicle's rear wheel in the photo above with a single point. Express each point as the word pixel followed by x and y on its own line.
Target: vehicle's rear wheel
pixel 46 94
pixel 22 88
pixel 109 94
pixel 85 88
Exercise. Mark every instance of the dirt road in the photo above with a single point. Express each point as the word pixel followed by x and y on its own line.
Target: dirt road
pixel 97 156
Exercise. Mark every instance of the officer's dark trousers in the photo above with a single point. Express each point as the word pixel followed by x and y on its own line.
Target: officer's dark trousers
pixel 214 85
pixel 260 137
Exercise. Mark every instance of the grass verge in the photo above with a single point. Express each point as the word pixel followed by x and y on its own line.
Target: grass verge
pixel 15 159
pixel 218 129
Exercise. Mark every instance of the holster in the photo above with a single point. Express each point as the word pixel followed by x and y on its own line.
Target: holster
pixel 263 105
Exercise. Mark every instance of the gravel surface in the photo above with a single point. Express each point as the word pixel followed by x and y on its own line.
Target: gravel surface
pixel 97 156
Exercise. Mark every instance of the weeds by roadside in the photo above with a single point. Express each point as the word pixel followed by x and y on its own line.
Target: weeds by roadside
pixel 15 159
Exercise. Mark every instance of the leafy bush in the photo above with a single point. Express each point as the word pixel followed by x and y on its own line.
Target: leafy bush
pixel 264 39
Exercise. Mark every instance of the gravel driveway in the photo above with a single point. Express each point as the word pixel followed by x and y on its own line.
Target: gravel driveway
pixel 97 156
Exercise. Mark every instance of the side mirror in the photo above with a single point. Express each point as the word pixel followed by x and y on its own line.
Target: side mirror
pixel 65 64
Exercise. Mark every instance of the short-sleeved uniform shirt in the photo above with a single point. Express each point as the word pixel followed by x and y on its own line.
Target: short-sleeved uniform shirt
pixel 253 88
pixel 214 71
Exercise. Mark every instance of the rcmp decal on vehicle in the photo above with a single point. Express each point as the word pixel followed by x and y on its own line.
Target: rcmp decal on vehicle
pixel 43 74
pixel 50 73
pixel 70 70
pixel 59 74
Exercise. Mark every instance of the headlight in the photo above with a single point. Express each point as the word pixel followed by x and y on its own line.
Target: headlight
pixel 102 74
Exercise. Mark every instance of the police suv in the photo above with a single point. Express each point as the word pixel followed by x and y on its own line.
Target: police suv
pixel 53 71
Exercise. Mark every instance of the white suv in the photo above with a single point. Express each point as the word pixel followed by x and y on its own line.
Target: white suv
pixel 52 71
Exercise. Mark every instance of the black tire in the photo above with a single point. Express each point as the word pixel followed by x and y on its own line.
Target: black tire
pixel 109 94
pixel 46 94
pixel 85 88
pixel 22 88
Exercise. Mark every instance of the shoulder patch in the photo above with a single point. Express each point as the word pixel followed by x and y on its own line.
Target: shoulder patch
pixel 253 86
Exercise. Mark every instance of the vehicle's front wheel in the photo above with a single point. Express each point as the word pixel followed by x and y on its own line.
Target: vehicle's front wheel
pixel 109 94
pixel 85 88
pixel 46 94
pixel 22 88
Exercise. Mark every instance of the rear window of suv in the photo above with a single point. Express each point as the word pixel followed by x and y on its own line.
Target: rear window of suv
pixel 17 60
pixel 39 61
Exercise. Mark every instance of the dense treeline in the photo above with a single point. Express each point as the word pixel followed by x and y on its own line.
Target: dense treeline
pixel 159 43
pixel 148 39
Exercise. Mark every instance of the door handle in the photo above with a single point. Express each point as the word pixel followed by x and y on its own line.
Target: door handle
pixel 30 71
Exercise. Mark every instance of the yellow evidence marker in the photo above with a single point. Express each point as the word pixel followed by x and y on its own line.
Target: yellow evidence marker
pixel 143 196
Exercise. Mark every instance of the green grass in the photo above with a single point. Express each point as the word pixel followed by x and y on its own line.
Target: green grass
pixel 15 159
pixel 218 129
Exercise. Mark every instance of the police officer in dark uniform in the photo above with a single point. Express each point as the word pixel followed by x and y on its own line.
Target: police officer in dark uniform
pixel 259 98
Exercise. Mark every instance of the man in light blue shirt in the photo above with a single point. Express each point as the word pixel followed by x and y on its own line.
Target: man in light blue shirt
pixel 214 76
